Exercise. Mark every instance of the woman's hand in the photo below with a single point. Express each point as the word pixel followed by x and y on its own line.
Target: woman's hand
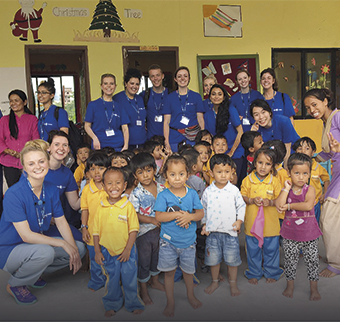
pixel 12 153
pixel 96 144
pixel 333 143
pixel 75 261
pixel 255 127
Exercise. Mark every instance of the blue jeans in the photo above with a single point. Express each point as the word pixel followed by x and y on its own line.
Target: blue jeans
pixel 97 279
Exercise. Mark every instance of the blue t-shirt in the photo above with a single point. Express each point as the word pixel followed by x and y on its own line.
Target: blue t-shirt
pixel 170 231
pixel 47 122
pixel 106 116
pixel 280 108
pixel 63 179
pixel 179 106
pixel 154 112
pixel 137 114
pixel 242 103
pixel 231 133
pixel 209 116
pixel 19 205
pixel 282 129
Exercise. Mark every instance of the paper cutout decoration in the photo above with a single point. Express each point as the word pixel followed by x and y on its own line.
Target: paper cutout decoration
pixel 281 64
pixel 229 83
pixel 295 104
pixel 235 89
pixel 285 78
pixel 226 69
pixel 324 71
pixel 210 69
pixel 292 66
pixel 244 65
pixel 313 61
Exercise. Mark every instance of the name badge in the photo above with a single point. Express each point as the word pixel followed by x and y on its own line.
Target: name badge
pixel 185 120
pixel 110 132
pixel 245 121
pixel 299 221
pixel 159 118
pixel 139 122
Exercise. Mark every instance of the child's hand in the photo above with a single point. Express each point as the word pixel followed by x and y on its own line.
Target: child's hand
pixel 237 225
pixel 204 232
pixel 258 201
pixel 99 257
pixel 155 222
pixel 266 202
pixel 124 256
pixel 288 185
pixel 183 219
pixel 86 235
pixel 255 127
pixel 282 208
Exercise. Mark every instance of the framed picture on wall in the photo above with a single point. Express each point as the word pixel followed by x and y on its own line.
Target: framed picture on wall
pixel 225 67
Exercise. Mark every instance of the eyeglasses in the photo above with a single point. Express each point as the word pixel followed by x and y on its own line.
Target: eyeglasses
pixel 42 93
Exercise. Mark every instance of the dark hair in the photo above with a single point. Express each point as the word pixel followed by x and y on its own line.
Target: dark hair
pixel 279 149
pixel 270 154
pixel 141 161
pixel 12 122
pixel 242 71
pixel 222 117
pixel 223 159
pixel 130 154
pixel 321 94
pixel 108 150
pixel 116 155
pixel 159 138
pixel 181 68
pixel 271 71
pixel 191 156
pixel 218 136
pixel 306 140
pixel 155 66
pixel 54 133
pixel 130 178
pixel 115 169
pixel 233 164
pixel 299 159
pixel 82 146
pixel 247 139
pixel 150 146
pixel 260 103
pixel 200 135
pixel 132 73
pixel 49 85
pixel 175 158
pixel 98 158
pixel 203 143
pixel 182 146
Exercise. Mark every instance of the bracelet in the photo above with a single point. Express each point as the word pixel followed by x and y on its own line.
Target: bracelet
pixel 288 207
pixel 285 190
pixel 271 203
pixel 249 200
pixel 84 226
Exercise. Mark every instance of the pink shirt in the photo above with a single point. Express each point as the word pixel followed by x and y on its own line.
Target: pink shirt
pixel 27 131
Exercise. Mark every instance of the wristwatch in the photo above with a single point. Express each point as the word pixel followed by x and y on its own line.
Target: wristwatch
pixel 84 226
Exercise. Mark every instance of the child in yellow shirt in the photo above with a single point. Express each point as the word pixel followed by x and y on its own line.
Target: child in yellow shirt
pixel 83 152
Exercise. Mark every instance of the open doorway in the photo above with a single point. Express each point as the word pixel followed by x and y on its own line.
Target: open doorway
pixel 141 58
pixel 68 66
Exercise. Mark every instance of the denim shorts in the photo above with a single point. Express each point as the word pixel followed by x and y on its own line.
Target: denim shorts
pixel 222 244
pixel 170 257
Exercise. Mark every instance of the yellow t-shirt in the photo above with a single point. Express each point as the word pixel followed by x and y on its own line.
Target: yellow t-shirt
pixel 79 173
pixel 206 169
pixel 114 223
pixel 269 188
pixel 318 173
pixel 90 200
pixel 282 175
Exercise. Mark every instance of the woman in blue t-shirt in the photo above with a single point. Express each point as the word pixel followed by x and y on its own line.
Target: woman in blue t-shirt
pixel 106 123
pixel 52 117
pixel 183 112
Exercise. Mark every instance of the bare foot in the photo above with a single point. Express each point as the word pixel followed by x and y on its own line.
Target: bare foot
pixel 234 291
pixel 221 278
pixel 137 312
pixel 327 273
pixel 314 295
pixel 146 297
pixel 194 302
pixel 169 310
pixel 211 288
pixel 110 313
pixel 157 285
pixel 288 292
pixel 270 280
pixel 253 281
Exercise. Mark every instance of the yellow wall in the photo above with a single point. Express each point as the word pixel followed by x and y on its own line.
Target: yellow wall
pixel 266 24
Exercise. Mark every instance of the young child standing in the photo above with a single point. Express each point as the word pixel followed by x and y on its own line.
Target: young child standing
pixel 204 149
pixel 90 200
pixel 178 208
pixel 114 235
pixel 224 211
pixel 83 153
pixel 260 189
pixel 251 142
pixel 143 198
pixel 300 230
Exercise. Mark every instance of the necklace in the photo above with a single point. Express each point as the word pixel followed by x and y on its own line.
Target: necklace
pixel 297 191
pixel 179 198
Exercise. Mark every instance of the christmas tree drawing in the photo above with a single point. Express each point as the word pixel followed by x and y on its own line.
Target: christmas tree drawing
pixel 106 17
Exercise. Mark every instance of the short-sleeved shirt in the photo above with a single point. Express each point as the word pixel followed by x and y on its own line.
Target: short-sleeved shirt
pixel 318 173
pixel 282 129
pixel 154 112
pixel 144 202
pixel 105 116
pixel 63 179
pixel 47 121
pixel 209 116
pixel 79 173
pixel 90 201
pixel 137 114
pixel 269 188
pixel 281 104
pixel 196 183
pixel 114 223
pixel 222 207
pixel 178 236
pixel 19 205
pixel 179 106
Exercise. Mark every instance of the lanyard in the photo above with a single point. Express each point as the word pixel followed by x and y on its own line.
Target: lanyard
pixel 273 101
pixel 244 104
pixel 39 205
pixel 113 112
pixel 154 100
pixel 186 102
pixel 134 107
pixel 42 118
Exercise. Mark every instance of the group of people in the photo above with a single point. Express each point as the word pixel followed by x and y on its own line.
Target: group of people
pixel 167 169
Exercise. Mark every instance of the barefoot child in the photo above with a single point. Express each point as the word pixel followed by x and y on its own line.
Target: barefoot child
pixel 224 211
pixel 114 234
pixel 143 198
pixel 178 208
pixel 261 188
pixel 300 230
